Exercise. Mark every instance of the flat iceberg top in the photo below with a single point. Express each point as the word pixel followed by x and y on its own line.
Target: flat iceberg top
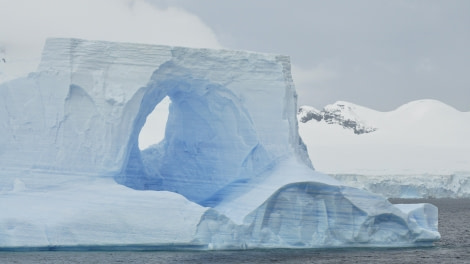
pixel 132 65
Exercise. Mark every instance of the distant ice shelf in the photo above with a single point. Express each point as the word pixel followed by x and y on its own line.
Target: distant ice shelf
pixel 231 171
pixel 455 185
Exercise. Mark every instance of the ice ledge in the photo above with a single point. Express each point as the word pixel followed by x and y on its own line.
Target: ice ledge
pixel 318 215
pixel 298 215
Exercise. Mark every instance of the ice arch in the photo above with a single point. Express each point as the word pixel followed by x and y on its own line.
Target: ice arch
pixel 232 117
pixel 210 140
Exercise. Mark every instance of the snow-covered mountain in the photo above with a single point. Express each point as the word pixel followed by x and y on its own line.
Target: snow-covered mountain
pixel 424 137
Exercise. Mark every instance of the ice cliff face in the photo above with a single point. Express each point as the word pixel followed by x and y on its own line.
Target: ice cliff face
pixel 70 142
pixel 89 120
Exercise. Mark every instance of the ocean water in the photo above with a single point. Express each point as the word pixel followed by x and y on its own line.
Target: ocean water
pixel 454 247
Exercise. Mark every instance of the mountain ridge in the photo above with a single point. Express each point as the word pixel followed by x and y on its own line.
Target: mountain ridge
pixel 423 136
pixel 364 120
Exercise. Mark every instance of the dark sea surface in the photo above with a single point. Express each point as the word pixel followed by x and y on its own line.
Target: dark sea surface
pixel 454 247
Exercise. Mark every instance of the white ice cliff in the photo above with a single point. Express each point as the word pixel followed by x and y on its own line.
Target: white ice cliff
pixel 231 172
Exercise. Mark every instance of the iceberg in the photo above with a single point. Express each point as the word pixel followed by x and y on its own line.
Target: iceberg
pixel 231 171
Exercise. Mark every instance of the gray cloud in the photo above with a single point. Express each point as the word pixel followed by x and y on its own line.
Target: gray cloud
pixel 377 53
pixel 25 24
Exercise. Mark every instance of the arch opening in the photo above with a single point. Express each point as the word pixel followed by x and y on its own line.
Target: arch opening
pixel 209 141
pixel 153 131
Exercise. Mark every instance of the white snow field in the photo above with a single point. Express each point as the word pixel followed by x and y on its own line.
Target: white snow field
pixel 421 149
pixel 231 171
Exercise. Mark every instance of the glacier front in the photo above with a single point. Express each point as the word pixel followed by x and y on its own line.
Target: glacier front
pixel 231 171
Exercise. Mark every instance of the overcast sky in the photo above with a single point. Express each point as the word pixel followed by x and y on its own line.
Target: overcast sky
pixel 25 25
pixel 377 53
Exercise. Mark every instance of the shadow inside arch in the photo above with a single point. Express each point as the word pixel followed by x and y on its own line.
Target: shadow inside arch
pixel 210 140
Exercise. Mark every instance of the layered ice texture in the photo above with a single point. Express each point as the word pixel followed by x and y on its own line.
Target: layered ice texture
pixel 231 171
